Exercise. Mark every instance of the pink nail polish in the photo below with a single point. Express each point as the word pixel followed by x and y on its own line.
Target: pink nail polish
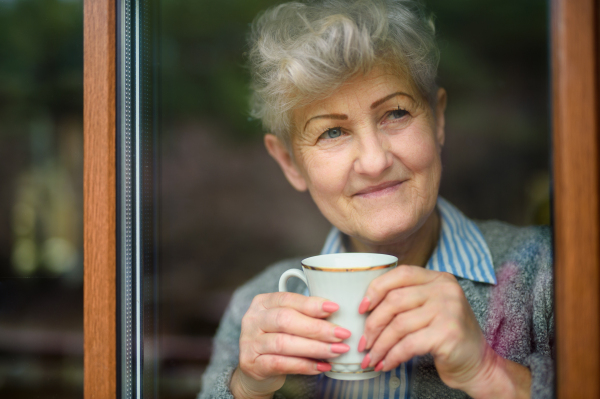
pixel 379 366
pixel 364 305
pixel 362 344
pixel 365 362
pixel 330 307
pixel 341 333
pixel 339 348
pixel 323 366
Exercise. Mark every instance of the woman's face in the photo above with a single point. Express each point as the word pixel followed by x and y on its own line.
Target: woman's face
pixel 370 157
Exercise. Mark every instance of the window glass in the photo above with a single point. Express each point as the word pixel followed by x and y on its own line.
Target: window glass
pixel 41 260
pixel 227 211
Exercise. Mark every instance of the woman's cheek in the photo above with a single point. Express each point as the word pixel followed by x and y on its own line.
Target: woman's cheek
pixel 418 152
pixel 327 170
pixel 328 182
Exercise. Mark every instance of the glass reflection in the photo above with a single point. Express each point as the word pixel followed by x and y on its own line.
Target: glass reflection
pixel 41 268
pixel 226 210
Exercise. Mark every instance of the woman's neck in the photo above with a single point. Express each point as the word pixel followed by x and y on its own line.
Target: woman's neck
pixel 416 250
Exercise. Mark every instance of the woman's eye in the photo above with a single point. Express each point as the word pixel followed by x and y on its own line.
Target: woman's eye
pixel 397 114
pixel 332 133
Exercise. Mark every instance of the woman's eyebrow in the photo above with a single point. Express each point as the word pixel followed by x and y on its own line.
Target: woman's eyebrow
pixel 374 105
pixel 341 117
pixel 384 99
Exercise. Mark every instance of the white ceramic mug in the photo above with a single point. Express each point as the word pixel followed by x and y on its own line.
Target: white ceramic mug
pixel 344 279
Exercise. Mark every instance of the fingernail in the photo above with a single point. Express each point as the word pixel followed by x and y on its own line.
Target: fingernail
pixel 341 333
pixel 379 366
pixel 338 347
pixel 323 366
pixel 365 362
pixel 364 305
pixel 330 307
pixel 362 344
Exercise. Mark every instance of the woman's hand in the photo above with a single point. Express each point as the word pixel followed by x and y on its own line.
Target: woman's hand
pixel 417 311
pixel 283 333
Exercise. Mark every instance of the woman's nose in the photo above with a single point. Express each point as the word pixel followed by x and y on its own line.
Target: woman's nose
pixel 373 156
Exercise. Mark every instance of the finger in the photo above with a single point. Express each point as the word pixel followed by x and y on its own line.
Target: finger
pixel 290 321
pixel 290 345
pixel 396 301
pixel 401 326
pixel 417 343
pixel 401 276
pixel 277 365
pixel 308 305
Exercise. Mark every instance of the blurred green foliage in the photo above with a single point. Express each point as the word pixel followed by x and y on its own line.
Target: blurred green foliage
pixel 41 62
pixel 41 113
pixel 495 52
pixel 202 70
pixel 487 48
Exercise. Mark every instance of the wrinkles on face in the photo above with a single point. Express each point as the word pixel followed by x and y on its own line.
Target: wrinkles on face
pixel 370 156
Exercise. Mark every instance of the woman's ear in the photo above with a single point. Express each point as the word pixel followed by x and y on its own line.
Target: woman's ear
pixel 440 120
pixel 280 153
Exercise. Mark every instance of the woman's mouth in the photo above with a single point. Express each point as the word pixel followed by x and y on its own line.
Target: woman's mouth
pixel 379 190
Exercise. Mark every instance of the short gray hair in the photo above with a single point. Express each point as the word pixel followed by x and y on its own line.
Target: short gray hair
pixel 300 52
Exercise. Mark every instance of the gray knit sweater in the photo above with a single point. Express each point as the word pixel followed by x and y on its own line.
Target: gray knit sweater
pixel 516 317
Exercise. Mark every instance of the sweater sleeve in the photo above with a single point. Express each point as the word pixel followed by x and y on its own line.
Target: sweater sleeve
pixel 519 314
pixel 224 360
pixel 541 360
pixel 226 343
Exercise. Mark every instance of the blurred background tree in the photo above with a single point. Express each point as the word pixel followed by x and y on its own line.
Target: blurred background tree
pixel 41 52
pixel 41 260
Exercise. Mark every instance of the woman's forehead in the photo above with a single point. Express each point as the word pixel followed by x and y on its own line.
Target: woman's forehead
pixel 365 91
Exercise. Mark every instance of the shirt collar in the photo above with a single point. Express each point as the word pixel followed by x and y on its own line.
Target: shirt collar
pixel 461 249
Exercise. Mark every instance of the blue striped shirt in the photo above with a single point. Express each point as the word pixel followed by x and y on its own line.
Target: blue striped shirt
pixel 462 251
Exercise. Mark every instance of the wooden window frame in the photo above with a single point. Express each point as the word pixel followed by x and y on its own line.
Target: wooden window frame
pixel 99 196
pixel 576 177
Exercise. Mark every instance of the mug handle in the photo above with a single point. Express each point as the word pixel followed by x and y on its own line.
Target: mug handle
pixel 289 274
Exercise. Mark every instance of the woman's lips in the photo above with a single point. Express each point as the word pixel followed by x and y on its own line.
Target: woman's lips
pixel 379 190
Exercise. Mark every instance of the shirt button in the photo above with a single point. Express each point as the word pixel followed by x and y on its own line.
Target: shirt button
pixel 394 382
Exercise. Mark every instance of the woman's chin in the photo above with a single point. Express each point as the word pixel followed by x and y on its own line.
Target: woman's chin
pixel 389 227
pixel 384 235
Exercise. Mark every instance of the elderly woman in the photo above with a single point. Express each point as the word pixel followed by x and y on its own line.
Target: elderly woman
pixel 347 92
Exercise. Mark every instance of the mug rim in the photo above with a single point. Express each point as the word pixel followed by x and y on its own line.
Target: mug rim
pixel 387 261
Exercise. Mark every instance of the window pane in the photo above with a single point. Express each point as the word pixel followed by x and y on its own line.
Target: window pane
pixel 227 212
pixel 226 209
pixel 41 262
